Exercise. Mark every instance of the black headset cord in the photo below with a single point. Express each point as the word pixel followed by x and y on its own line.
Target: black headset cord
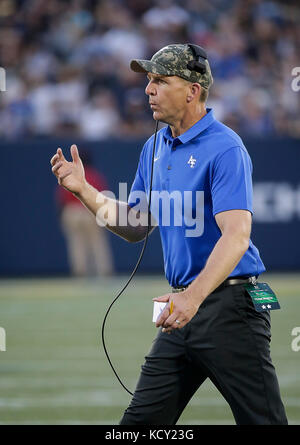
pixel 135 268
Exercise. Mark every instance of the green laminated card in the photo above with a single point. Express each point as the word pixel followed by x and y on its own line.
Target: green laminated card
pixel 264 299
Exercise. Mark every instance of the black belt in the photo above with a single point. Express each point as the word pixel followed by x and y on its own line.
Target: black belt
pixel 228 282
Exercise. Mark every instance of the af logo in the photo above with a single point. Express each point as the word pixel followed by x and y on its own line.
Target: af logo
pixel 192 162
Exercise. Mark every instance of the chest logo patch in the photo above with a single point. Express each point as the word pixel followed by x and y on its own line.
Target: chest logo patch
pixel 192 162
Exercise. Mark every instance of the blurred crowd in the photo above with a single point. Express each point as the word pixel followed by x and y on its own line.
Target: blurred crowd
pixel 67 64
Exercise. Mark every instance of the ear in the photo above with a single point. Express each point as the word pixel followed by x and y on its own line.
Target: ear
pixel 194 92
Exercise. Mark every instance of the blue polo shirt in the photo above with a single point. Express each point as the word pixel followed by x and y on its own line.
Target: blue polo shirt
pixel 202 172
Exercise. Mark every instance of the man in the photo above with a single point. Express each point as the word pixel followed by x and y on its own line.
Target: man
pixel 214 329
pixel 88 247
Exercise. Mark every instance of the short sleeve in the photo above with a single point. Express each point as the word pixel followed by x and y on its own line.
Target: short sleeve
pixel 138 186
pixel 231 184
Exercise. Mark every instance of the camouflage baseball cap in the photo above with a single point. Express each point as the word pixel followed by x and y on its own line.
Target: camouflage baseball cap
pixel 172 60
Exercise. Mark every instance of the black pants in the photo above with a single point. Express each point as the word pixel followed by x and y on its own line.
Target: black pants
pixel 228 342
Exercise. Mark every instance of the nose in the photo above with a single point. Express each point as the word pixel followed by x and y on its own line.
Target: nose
pixel 150 90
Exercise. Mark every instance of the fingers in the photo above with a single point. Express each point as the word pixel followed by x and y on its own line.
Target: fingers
pixel 60 155
pixel 56 166
pixel 75 154
pixel 61 168
pixel 57 157
pixel 65 174
pixel 60 176
pixel 163 317
pixel 167 310
pixel 172 323
pixel 54 159
pixel 170 318
pixel 163 299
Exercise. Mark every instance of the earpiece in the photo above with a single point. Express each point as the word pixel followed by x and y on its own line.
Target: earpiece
pixel 198 64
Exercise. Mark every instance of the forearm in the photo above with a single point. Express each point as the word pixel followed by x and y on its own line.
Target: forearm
pixel 111 213
pixel 223 259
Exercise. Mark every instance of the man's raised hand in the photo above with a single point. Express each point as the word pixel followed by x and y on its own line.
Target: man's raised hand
pixel 70 175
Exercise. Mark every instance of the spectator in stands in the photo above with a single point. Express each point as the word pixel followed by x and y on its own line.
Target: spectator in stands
pixel 59 54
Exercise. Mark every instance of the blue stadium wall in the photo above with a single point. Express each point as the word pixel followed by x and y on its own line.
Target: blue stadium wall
pixel 31 239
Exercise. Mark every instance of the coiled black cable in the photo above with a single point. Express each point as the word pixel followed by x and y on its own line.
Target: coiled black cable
pixel 135 268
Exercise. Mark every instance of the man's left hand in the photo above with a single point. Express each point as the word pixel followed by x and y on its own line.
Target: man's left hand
pixel 184 309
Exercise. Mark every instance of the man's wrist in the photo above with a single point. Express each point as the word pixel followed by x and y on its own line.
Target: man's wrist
pixel 195 294
pixel 82 191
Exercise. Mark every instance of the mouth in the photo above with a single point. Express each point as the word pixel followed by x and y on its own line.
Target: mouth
pixel 152 105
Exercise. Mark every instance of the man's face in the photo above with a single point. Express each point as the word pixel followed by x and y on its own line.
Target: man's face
pixel 167 97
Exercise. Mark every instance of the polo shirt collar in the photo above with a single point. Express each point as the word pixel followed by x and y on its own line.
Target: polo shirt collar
pixel 194 131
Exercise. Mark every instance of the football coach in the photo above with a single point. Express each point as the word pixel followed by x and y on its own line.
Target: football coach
pixel 211 326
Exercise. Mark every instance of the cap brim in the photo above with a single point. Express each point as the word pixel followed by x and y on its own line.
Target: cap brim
pixel 146 66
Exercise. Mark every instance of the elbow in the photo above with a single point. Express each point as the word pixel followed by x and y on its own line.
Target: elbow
pixel 135 238
pixel 244 242
pixel 246 245
pixel 132 240
pixel 239 240
pixel 138 235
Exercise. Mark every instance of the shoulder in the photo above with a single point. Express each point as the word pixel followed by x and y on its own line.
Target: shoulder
pixel 223 138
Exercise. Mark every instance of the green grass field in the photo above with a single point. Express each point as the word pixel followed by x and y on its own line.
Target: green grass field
pixel 54 369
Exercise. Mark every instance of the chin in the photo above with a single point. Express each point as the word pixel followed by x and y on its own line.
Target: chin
pixel 157 116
